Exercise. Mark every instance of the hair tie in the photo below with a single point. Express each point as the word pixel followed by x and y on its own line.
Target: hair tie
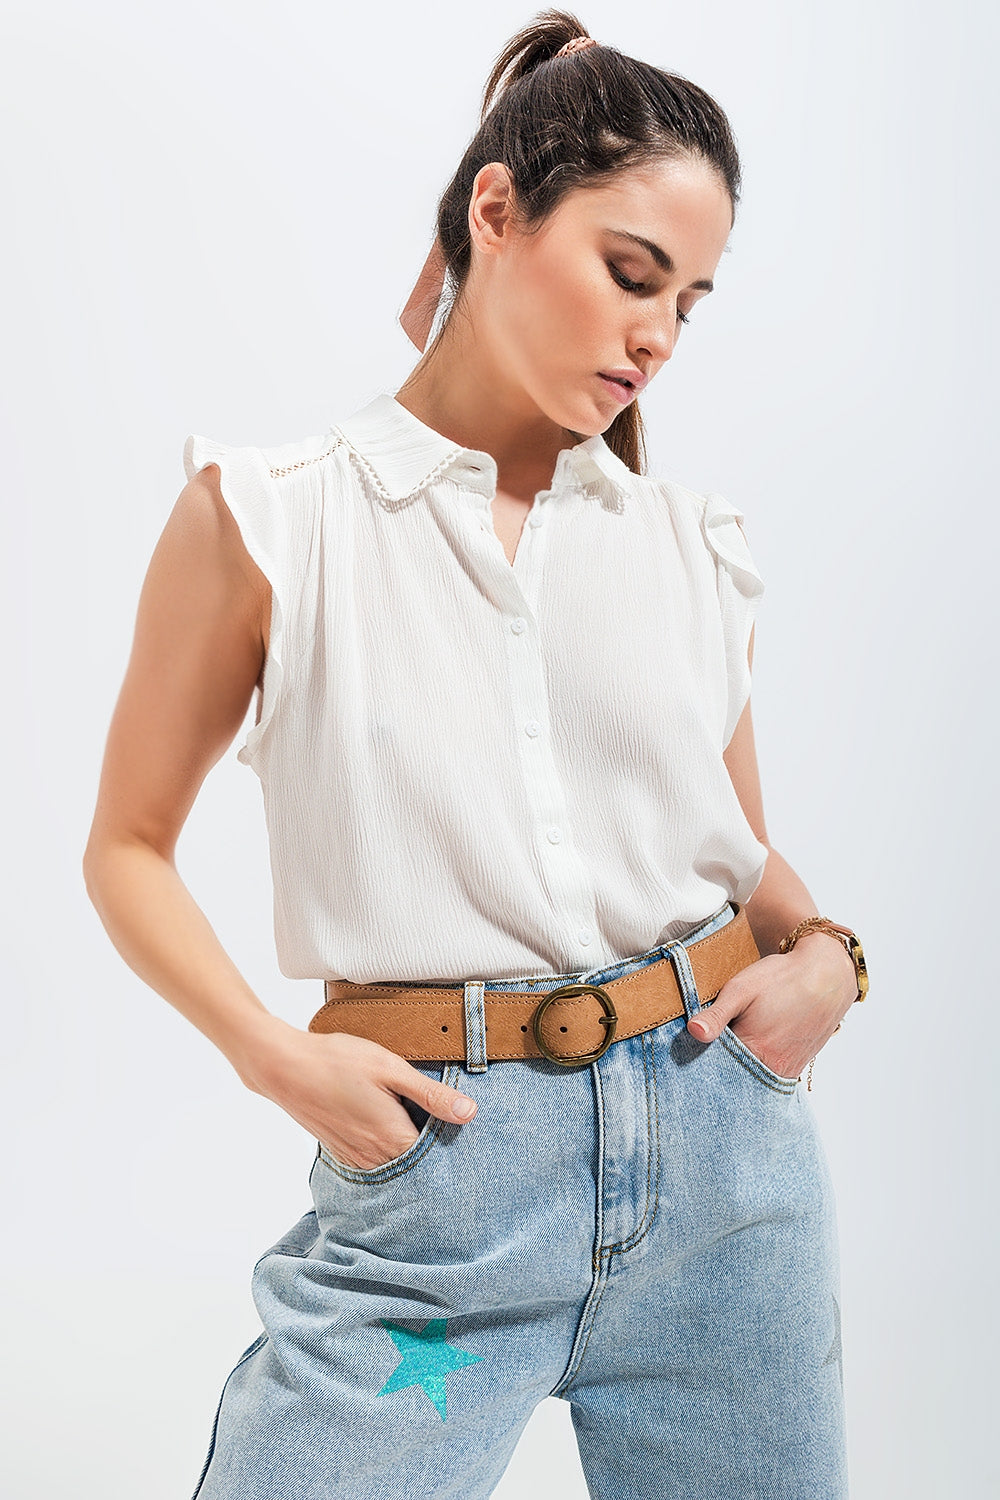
pixel 576 45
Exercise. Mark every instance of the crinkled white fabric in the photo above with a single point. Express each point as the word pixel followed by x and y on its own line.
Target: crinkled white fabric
pixel 474 770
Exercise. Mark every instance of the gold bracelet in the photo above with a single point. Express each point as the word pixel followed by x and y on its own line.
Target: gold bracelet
pixel 844 935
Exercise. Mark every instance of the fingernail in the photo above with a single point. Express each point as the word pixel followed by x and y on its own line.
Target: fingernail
pixel 464 1107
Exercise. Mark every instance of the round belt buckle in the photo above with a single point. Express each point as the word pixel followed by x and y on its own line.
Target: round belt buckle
pixel 609 1020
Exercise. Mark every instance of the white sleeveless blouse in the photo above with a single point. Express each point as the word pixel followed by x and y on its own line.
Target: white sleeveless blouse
pixel 474 770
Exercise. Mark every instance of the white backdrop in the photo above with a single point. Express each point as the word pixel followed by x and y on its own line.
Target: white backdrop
pixel 213 215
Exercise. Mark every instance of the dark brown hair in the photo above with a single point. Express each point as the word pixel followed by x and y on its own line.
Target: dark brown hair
pixel 559 123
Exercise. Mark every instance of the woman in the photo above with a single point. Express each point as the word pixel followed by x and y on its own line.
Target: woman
pixel 504 737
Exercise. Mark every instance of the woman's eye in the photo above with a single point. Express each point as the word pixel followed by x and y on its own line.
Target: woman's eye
pixel 623 281
pixel 638 286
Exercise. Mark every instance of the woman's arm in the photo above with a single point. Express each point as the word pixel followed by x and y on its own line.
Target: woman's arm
pixel 198 650
pixel 197 653
pixel 788 1004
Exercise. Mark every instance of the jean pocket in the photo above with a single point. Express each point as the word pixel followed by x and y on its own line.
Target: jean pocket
pixel 742 1054
pixel 429 1129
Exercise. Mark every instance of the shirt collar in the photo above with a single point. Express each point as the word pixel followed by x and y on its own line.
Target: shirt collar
pixel 403 454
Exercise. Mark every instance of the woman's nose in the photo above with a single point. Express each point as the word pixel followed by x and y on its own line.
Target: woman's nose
pixel 657 346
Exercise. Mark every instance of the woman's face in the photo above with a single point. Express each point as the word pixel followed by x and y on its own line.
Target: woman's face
pixel 557 307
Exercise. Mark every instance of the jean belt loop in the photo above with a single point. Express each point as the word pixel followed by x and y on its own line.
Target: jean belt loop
pixel 475 1026
pixel 685 977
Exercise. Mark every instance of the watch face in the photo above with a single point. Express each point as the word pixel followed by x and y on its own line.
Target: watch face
pixel 857 953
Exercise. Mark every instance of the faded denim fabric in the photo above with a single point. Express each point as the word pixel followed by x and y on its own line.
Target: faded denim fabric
pixel 650 1237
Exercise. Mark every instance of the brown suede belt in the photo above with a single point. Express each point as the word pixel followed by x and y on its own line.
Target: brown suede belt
pixel 570 1024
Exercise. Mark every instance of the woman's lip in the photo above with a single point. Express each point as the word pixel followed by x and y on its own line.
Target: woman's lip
pixel 617 389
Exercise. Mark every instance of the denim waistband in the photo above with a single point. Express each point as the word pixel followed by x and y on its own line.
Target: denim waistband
pixel 539 983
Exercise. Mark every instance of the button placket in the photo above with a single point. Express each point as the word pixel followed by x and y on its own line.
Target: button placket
pixel 531 546
pixel 513 590
pixel 564 872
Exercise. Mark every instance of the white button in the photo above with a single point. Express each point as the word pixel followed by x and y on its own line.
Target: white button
pixel 519 626
pixel 532 727
pixel 585 935
pixel 535 518
pixel 553 835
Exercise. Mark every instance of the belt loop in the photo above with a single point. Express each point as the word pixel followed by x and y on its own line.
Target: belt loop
pixel 685 976
pixel 475 1026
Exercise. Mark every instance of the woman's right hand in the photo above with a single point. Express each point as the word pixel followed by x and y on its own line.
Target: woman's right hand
pixel 345 1091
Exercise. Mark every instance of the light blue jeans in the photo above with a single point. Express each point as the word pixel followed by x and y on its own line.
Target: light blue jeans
pixel 651 1237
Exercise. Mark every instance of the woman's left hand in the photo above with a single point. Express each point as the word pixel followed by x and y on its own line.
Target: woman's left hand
pixel 786 1006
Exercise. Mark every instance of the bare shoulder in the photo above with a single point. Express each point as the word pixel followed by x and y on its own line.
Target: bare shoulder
pixel 202 536
pixel 197 655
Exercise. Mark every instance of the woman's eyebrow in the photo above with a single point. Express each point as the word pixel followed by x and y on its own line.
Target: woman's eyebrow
pixel 660 256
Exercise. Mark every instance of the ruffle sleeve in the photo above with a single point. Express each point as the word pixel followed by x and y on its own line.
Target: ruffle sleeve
pixel 739 587
pixel 252 497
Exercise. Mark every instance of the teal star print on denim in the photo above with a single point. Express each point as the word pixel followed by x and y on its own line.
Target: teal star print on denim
pixel 427 1359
